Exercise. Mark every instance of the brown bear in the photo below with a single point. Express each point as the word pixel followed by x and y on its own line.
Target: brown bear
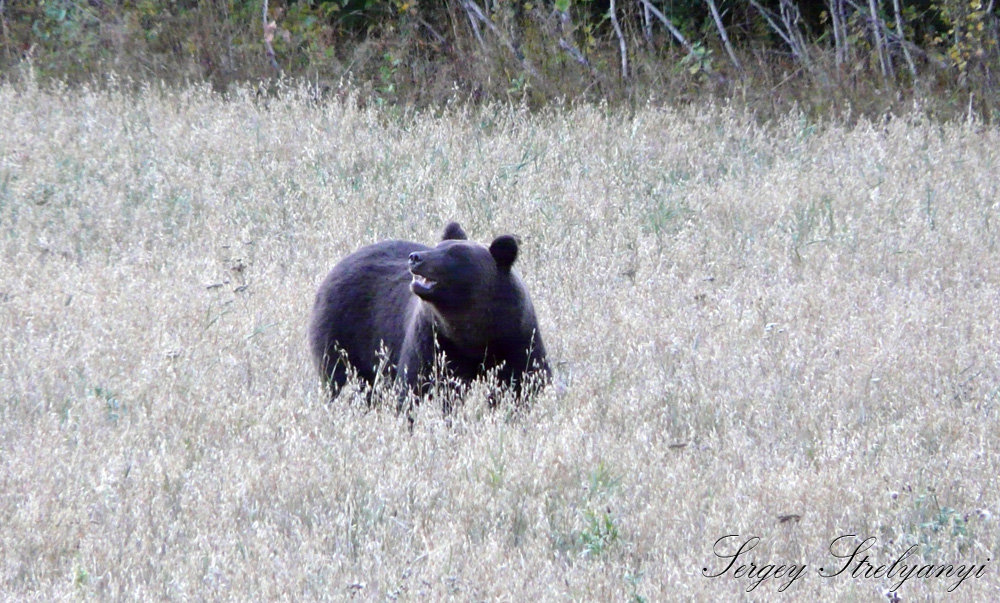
pixel 412 301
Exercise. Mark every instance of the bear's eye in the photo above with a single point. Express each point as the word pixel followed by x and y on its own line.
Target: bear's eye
pixel 460 261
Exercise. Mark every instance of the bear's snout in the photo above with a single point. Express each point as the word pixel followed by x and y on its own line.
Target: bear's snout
pixel 415 259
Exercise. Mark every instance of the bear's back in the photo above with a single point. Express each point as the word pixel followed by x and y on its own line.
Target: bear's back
pixel 362 305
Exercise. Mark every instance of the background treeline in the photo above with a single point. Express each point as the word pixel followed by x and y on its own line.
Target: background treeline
pixel 868 55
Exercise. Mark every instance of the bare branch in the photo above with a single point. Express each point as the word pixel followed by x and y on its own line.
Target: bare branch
pixel 676 33
pixel 789 33
pixel 474 24
pixel 3 26
pixel 566 34
pixel 723 35
pixel 877 26
pixel 770 21
pixel 790 16
pixel 269 28
pixel 903 42
pixel 574 52
pixel 647 23
pixel 840 40
pixel 902 36
pixel 437 37
pixel 621 39
pixel 473 9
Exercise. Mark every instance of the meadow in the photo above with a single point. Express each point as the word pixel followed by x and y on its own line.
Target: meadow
pixel 784 330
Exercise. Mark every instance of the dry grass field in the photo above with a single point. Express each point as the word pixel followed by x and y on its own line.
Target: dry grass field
pixel 786 331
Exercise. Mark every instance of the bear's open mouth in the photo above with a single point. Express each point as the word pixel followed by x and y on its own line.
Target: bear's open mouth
pixel 421 284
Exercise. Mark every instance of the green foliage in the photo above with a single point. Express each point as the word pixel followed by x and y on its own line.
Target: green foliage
pixel 113 405
pixel 56 25
pixel 496 470
pixel 633 579
pixel 602 480
pixel 967 35
pixel 600 533
pixel 387 75
pixel 813 222
pixel 81 578
pixel 665 214
pixel 699 60
pixel 938 526
pixel 405 50
pixel 600 530
pixel 353 13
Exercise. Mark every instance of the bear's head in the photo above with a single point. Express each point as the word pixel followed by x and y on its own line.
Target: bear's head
pixel 459 275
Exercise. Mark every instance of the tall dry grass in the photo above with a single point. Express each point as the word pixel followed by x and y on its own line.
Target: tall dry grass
pixel 787 331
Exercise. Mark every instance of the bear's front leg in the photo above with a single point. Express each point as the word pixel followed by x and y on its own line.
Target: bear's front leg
pixel 416 357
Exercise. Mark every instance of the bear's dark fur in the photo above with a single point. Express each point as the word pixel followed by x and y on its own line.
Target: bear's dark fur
pixel 400 296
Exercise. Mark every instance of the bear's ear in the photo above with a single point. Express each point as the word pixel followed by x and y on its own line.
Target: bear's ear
pixel 504 251
pixel 453 232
